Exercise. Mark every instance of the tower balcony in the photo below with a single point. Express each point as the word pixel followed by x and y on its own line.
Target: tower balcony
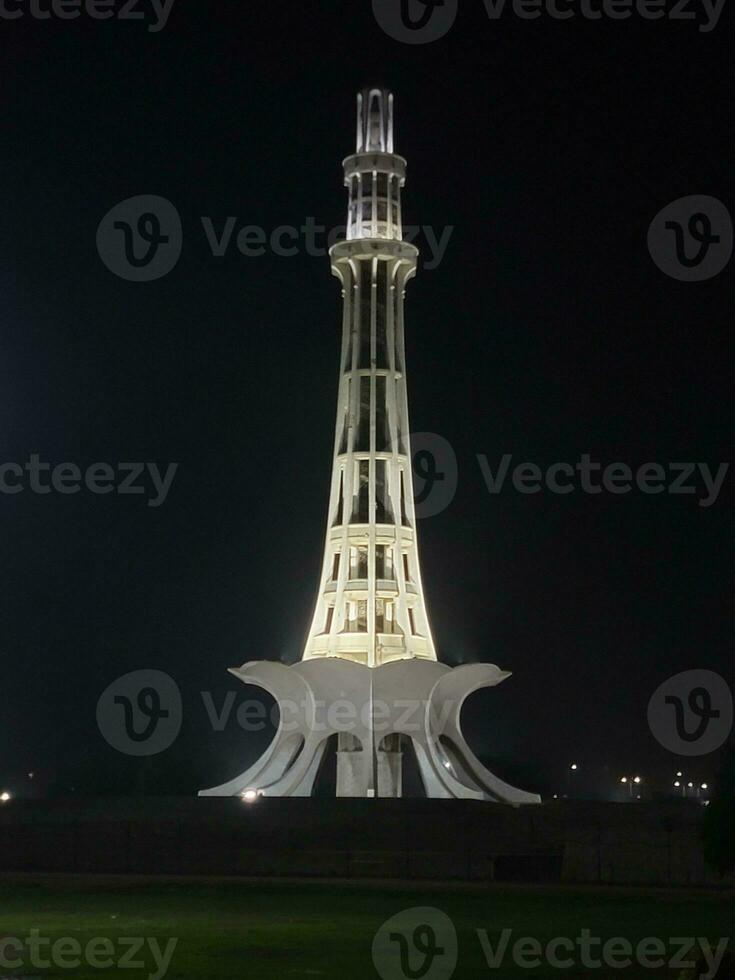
pixel 384 533
pixel 358 587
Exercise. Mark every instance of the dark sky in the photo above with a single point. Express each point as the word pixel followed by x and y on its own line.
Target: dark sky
pixel 546 332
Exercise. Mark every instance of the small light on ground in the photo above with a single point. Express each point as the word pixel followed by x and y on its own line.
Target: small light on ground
pixel 250 795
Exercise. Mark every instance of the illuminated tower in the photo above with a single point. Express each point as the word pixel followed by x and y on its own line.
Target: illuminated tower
pixel 370 608
pixel 369 677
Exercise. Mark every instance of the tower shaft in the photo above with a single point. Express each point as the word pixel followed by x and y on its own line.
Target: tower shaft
pixel 370 607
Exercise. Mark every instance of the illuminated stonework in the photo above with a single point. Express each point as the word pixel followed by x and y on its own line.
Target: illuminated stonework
pixel 370 607
pixel 369 675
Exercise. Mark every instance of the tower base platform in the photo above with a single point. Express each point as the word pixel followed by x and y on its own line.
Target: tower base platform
pixel 373 712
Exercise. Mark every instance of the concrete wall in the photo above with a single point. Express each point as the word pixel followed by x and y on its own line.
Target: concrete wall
pixel 447 839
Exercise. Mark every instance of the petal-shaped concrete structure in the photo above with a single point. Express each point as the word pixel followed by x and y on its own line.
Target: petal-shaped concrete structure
pixel 372 711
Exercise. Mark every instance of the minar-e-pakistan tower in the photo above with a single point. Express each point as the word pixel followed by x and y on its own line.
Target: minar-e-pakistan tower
pixel 369 673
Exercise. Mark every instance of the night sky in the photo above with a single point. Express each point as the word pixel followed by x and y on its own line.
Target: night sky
pixel 545 332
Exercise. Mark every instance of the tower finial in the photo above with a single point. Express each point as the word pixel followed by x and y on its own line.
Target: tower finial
pixel 375 174
pixel 375 121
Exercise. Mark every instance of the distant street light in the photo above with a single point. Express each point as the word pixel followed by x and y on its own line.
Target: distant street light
pixel 5 797
pixel 573 767
pixel 630 782
pixel 683 785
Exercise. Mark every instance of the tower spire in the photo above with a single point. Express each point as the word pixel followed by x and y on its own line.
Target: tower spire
pixel 375 121
pixel 375 174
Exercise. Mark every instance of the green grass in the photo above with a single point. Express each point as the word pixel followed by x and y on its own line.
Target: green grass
pixel 243 929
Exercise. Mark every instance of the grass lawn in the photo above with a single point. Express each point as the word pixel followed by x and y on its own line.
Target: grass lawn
pixel 245 929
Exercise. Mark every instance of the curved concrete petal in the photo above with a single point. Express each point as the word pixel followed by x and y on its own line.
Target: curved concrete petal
pixel 450 748
pixel 288 689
